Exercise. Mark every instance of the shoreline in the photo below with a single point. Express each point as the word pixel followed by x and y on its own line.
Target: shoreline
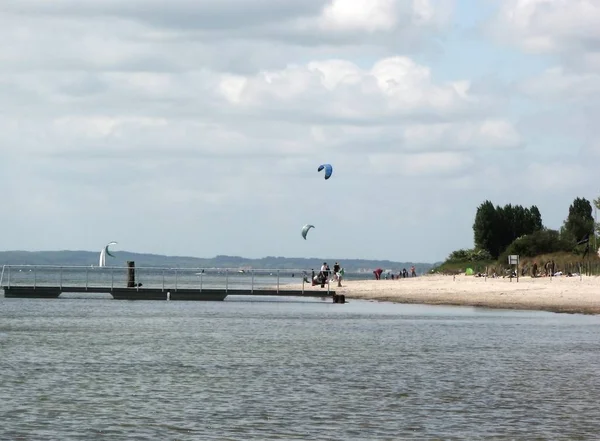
pixel 552 294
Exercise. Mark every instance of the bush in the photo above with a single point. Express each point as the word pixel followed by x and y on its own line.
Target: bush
pixel 539 242
pixel 472 255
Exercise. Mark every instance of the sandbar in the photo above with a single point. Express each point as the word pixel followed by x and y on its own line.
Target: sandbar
pixel 556 294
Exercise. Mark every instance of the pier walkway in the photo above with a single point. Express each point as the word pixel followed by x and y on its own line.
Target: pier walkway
pixel 157 283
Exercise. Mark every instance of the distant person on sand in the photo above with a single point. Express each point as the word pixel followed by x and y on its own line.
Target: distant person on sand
pixel 337 273
pixel 336 268
pixel 377 273
pixel 413 272
pixel 323 274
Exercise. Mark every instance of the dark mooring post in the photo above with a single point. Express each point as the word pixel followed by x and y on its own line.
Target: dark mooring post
pixel 130 274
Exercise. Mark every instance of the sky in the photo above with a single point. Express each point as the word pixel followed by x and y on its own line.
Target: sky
pixel 196 127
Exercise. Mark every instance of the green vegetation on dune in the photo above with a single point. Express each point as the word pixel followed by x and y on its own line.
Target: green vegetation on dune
pixel 87 258
pixel 512 229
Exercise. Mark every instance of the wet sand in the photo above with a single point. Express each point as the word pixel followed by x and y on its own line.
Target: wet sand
pixel 556 294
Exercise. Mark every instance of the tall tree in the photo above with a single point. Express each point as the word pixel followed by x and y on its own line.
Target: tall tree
pixel 535 219
pixel 580 221
pixel 495 228
pixel 597 205
pixel 484 228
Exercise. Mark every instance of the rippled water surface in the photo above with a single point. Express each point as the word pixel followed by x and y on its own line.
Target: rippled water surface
pixel 96 368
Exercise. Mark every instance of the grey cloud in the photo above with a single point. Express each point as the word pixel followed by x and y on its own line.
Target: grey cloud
pixel 292 23
pixel 569 29
pixel 176 14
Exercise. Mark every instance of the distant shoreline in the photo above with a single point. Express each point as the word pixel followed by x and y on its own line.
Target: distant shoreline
pixel 87 258
pixel 558 294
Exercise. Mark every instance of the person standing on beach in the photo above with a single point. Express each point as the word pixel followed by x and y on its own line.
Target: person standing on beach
pixel 377 273
pixel 337 274
pixel 323 274
pixel 413 272
pixel 336 270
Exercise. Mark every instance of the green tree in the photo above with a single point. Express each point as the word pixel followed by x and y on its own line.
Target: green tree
pixel 485 228
pixel 495 228
pixel 597 205
pixel 534 220
pixel 539 242
pixel 579 222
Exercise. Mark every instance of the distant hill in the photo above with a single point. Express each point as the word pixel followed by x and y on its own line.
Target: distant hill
pixel 87 258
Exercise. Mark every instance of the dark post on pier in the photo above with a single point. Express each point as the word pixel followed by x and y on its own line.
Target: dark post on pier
pixel 130 274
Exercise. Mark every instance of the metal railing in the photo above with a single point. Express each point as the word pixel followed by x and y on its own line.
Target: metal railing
pixel 165 278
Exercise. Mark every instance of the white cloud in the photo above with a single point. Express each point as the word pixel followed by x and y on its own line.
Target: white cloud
pixel 488 134
pixel 550 25
pixel 420 164
pixel 563 176
pixel 565 96
pixel 359 15
pixel 399 23
pixel 339 89
pixel 561 85
pixel 196 127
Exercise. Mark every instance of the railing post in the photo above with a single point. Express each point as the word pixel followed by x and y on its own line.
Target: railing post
pixel 277 281
pixel 60 277
pixel 112 278
pixel 34 276
pixel 226 280
pixel 175 279
pixel 86 277
pixel 201 277
pixel 9 276
pixel 163 279
pixel 303 279
pixel 252 283
pixel 327 285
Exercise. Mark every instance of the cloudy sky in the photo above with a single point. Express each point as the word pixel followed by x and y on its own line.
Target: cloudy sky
pixel 195 127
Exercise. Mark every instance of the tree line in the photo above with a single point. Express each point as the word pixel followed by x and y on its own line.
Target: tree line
pixel 514 229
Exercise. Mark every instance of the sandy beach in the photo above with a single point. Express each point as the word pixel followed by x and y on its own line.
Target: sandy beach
pixel 556 294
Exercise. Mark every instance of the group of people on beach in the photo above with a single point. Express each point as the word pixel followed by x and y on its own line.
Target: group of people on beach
pixel 324 275
pixel 549 269
pixel 390 275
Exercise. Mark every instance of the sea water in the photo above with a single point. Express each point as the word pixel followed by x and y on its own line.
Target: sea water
pixel 87 367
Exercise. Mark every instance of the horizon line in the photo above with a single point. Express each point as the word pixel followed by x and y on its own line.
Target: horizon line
pixel 216 256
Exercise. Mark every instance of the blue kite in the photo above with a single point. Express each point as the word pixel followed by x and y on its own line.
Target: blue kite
pixel 328 170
